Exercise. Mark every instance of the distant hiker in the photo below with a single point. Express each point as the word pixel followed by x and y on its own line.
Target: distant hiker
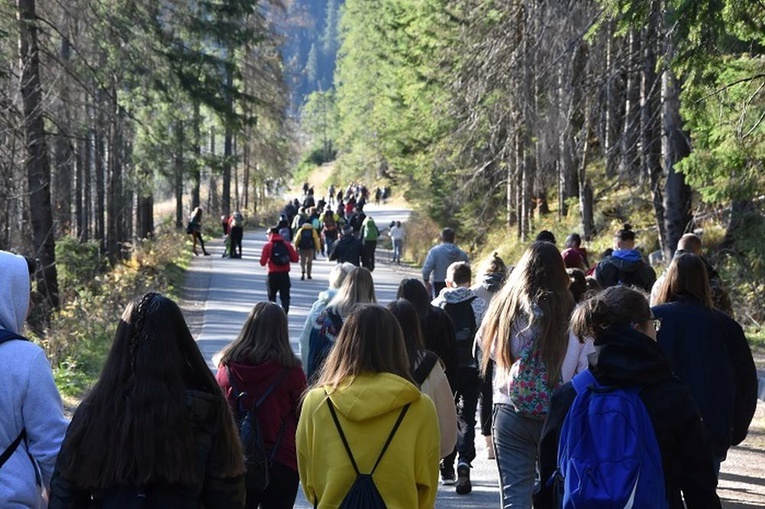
pixel 369 235
pixel 364 400
pixel 466 311
pixel 625 266
pixel 194 228
pixel 305 188
pixel 397 235
pixel 627 359
pixel 261 367
pixel 578 286
pixel 155 429
pixel 276 257
pixel 378 195
pixel 32 423
pixel 224 219
pixel 300 218
pixel 236 233
pixel 690 243
pixel 545 236
pixel 438 260
pixel 289 211
pixel 284 230
pixel 357 221
pixel 575 256
pixel 307 244
pixel 331 196
pixel 330 229
pixel 348 248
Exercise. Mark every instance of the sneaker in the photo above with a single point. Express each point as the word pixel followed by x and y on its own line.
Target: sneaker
pixel 302 277
pixel 309 276
pixel 463 479
pixel 447 475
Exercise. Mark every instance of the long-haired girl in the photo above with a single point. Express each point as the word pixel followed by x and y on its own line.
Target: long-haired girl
pixel 261 359
pixel 155 428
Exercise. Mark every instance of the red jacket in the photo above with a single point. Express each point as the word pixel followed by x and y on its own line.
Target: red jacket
pixel 282 403
pixel 265 255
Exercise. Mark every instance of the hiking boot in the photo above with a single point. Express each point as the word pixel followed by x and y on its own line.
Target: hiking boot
pixel 447 475
pixel 463 479
pixel 309 276
pixel 302 276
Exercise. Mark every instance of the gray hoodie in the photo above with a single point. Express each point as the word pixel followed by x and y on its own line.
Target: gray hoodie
pixel 438 260
pixel 28 397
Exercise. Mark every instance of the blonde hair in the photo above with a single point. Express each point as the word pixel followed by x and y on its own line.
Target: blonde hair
pixel 338 273
pixel 357 288
pixel 370 341
pixel 264 337
pixel 535 297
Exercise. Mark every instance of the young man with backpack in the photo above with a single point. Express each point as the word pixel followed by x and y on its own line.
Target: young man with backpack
pixel 276 257
pixel 307 244
pixel 348 248
pixel 466 311
pixel 625 266
pixel 369 235
pixel 626 432
pixel 32 423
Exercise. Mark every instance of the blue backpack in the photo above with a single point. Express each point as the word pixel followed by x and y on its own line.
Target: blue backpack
pixel 608 455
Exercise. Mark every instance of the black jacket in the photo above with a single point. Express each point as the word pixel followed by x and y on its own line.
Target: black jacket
pixel 347 249
pixel 629 269
pixel 625 357
pixel 213 492
pixel 709 352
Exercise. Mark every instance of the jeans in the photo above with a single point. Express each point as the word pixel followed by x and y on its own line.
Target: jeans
pixel 398 246
pixel 306 260
pixel 516 441
pixel 466 388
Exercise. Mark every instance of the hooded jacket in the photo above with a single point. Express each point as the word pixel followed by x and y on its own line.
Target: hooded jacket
pixel 455 296
pixel 709 352
pixel 438 260
pixel 265 255
pixel 490 284
pixel 29 400
pixel 626 357
pixel 347 249
pixel 367 408
pixel 314 236
pixel 625 266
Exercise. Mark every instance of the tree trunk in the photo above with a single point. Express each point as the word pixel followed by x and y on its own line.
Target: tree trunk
pixel 178 171
pixel 630 161
pixel 100 169
pixel 227 150
pixel 196 170
pixel 36 162
pixel 585 188
pixel 614 104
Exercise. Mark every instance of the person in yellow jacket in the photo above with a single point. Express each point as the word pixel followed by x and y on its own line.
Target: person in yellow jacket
pixel 366 377
pixel 307 244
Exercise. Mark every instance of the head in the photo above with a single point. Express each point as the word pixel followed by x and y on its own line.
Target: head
pixel 398 224
pixel 274 230
pixel 264 337
pixel 573 240
pixel 536 295
pixel 625 238
pixel 197 213
pixel 415 292
pixel 370 341
pixel 495 265
pixel 410 326
pixel 338 273
pixel 578 284
pixel 347 230
pixel 546 236
pixel 458 274
pixel 15 288
pixel 689 243
pixel 357 288
pixel 593 287
pixel 686 279
pixel 447 235
pixel 614 307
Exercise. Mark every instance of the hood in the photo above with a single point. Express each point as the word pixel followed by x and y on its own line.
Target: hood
pixel 454 295
pixel 203 408
pixel 493 281
pixel 370 395
pixel 327 295
pixel 255 374
pixel 275 237
pixel 450 251
pixel 14 297
pixel 625 356
pixel 627 260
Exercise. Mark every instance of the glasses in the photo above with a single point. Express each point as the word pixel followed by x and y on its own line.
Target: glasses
pixel 656 324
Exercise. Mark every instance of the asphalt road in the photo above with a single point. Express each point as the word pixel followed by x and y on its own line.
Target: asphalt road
pixel 220 293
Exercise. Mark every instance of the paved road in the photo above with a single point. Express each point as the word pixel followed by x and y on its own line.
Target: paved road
pixel 223 291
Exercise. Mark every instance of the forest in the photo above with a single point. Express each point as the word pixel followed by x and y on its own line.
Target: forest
pixel 490 116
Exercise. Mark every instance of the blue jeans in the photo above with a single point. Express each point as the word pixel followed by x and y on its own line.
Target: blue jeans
pixel 397 248
pixel 516 442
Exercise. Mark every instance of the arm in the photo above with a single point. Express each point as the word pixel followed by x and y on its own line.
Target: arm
pixel 560 403
pixel 695 472
pixel 305 335
pixel 427 268
pixel 265 255
pixel 745 377
pixel 427 456
pixel 316 243
pixel 65 494
pixel 294 258
pixel 304 450
pixel 221 492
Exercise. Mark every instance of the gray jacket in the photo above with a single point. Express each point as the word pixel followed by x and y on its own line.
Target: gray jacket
pixel 438 260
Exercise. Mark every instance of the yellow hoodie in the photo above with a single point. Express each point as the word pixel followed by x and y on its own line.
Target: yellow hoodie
pixel 367 408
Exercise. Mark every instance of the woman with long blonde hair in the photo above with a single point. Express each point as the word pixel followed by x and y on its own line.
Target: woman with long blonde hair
pixel 365 397
pixel 525 331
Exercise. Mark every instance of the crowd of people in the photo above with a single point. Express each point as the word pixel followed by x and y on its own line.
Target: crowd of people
pixel 382 401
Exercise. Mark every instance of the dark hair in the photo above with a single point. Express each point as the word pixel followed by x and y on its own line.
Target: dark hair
pixel 495 265
pixel 578 284
pixel 447 235
pixel 133 427
pixel 459 273
pixel 686 278
pixel 545 236
pixel 409 322
pixel 415 292
pixel 625 233
pixel 264 337
pixel 614 306
pixel 575 239
pixel 31 265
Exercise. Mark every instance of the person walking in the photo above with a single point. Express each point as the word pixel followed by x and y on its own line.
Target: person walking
pixel 32 423
pixel 438 260
pixel 330 229
pixel 348 248
pixel 307 244
pixel 194 228
pixel 575 256
pixel 155 430
pixel 625 265
pixel 365 396
pixel 276 257
pixel 260 361
pixel 236 234
pixel 624 331
pixel 369 234
pixel 525 332
pixel 708 351
pixel 397 235
pixel 466 311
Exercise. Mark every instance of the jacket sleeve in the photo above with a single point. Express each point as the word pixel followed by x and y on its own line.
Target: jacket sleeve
pixel 43 416
pixel 427 457
pixel 745 377
pixel 64 494
pixel 304 448
pixel 316 243
pixel 293 253
pixel 221 492
pixel 427 267
pixel 333 254
pixel 560 403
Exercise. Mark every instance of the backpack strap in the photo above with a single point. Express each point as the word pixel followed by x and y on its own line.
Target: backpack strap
pixel 345 441
pixel 12 448
pixel 583 380
pixel 267 392
pixel 426 365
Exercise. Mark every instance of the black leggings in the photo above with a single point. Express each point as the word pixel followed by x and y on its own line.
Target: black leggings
pixel 281 491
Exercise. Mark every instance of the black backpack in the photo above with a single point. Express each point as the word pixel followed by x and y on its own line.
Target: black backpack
pixel 306 239
pixel 6 335
pixel 465 327
pixel 256 460
pixel 363 493
pixel 280 254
